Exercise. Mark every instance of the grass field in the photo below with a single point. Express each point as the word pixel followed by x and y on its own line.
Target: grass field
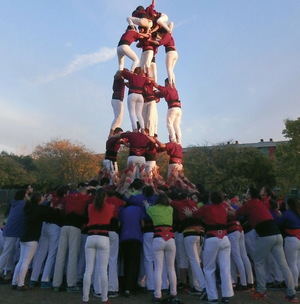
pixel 40 296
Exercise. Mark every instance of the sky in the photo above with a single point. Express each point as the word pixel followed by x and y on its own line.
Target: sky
pixel 237 75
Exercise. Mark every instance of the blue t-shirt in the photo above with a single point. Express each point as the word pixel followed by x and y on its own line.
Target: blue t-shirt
pixel 16 220
pixel 130 218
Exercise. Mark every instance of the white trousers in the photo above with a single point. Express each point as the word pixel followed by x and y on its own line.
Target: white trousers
pixel 96 245
pixel 113 279
pixel 171 60
pixel 69 242
pixel 217 251
pixel 137 162
pixel 182 261
pixel 1 240
pixel 135 103
pixel 28 250
pixel 118 110
pixel 8 253
pixel 144 22
pixel 46 252
pixel 174 168
pixel 292 253
pixel 164 250
pixel 146 59
pixel 150 165
pixel 240 258
pixel 81 258
pixel 192 248
pixel 173 124
pixel 150 116
pixel 125 50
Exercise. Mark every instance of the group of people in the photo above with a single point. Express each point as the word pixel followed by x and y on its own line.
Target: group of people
pixel 161 240
pixel 150 29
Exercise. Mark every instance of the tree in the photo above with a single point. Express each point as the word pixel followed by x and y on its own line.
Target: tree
pixel 228 168
pixel 288 157
pixel 12 173
pixel 61 162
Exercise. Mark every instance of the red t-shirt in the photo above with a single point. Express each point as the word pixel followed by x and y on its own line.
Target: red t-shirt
pixel 116 202
pixel 168 42
pixel 129 37
pixel 102 216
pixel 118 88
pixel 185 209
pixel 136 141
pixel 255 211
pixel 174 150
pixel 214 215
pixel 77 203
pixel 171 96
pixel 148 93
pixel 112 147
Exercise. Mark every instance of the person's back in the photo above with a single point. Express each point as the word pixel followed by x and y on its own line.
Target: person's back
pixel 15 221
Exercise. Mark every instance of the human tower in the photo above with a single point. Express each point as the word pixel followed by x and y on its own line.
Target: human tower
pixel 150 29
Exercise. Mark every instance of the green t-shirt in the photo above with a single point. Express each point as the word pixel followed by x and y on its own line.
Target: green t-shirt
pixel 161 215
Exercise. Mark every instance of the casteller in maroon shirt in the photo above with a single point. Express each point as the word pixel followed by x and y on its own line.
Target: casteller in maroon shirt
pixel 118 88
pixel 174 150
pixel 136 81
pixel 170 94
pixel 138 143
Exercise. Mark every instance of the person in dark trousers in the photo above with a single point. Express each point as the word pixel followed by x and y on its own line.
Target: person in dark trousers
pixel 131 236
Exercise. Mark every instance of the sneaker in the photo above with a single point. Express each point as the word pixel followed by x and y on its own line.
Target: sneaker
pixel 23 288
pixel 225 300
pixel 46 285
pixel 241 288
pixel 292 299
pixel 14 287
pixel 73 289
pixel 97 295
pixel 195 292
pixel 203 295
pixel 156 300
pixel 174 300
pixel 33 284
pixel 113 294
pixel 127 293
pixel 258 295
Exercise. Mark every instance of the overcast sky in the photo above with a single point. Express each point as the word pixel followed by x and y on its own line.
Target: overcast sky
pixel 238 73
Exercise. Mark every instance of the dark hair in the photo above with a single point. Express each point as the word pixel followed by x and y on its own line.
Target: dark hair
pixel 104 181
pixel 167 81
pixel 99 198
pixel 35 198
pixel 20 194
pixel 148 191
pixel 117 130
pixel 216 197
pixel 254 193
pixel 137 184
pixel 163 199
pixel 294 204
pixel 62 190
pixel 140 8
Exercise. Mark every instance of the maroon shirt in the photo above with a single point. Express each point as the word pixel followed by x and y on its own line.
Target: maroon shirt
pixel 171 96
pixel 113 145
pixel 138 143
pixel 118 88
pixel 174 150
pixel 148 93
pixel 168 42
pixel 136 82
pixel 152 13
pixel 129 37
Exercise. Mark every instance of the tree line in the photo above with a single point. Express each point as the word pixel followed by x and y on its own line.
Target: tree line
pixel 230 168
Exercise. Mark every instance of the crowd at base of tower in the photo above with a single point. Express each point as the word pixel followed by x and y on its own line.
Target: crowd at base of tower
pixel 85 239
